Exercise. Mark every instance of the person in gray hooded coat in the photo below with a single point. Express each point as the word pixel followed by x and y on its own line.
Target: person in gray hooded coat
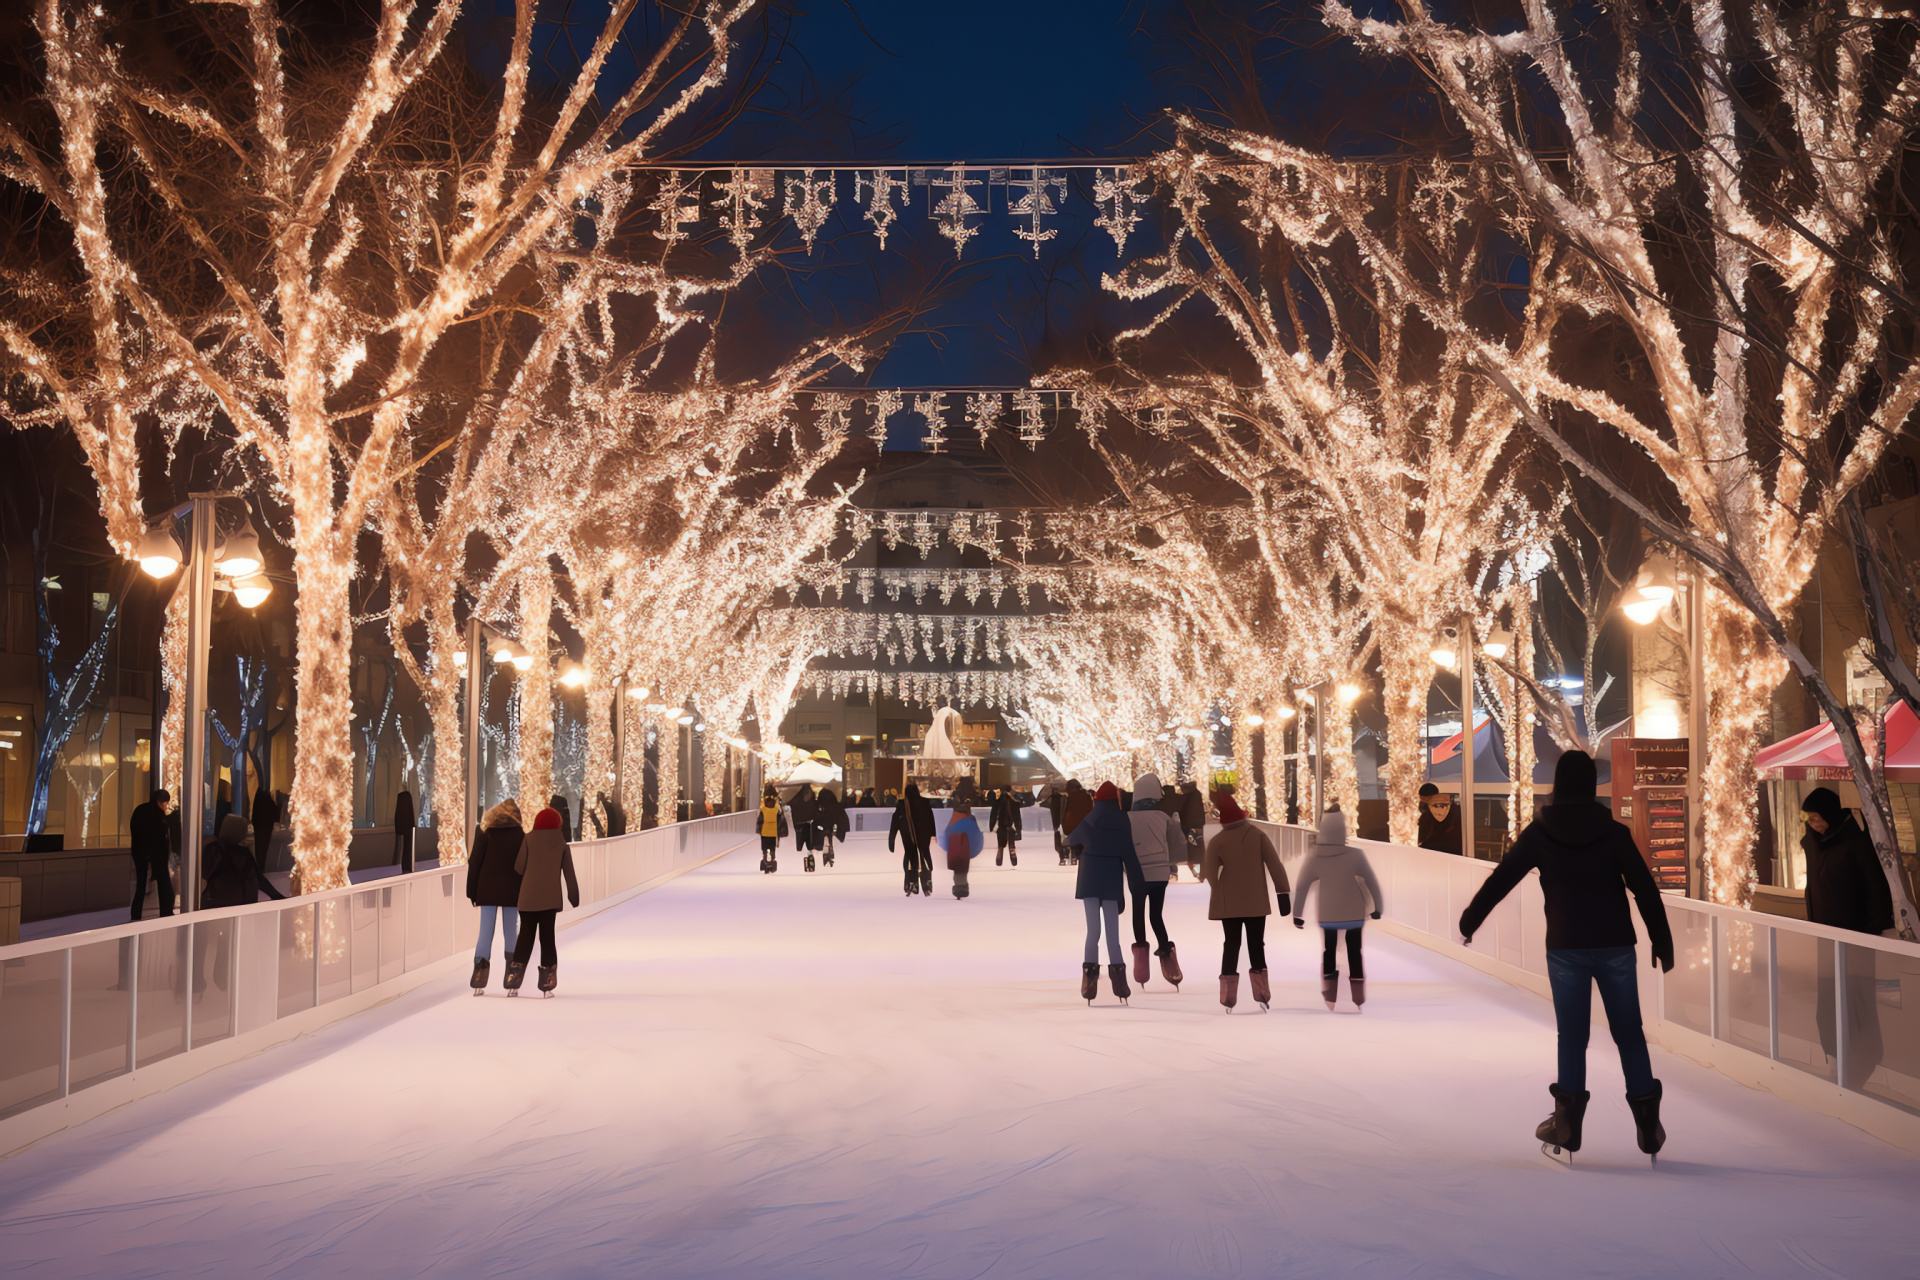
pixel 1160 844
pixel 1345 879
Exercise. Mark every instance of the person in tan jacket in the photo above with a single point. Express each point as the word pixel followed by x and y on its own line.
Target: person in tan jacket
pixel 1238 863
pixel 1342 872
pixel 544 859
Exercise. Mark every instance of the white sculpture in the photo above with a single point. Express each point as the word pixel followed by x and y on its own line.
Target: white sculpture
pixel 941 735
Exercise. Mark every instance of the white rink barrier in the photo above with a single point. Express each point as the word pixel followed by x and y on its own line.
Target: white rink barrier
pixel 90 1021
pixel 1814 1014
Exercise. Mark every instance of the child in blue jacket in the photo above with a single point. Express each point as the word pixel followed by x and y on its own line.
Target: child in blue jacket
pixel 963 846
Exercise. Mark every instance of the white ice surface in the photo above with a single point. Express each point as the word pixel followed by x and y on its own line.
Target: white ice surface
pixel 817 1076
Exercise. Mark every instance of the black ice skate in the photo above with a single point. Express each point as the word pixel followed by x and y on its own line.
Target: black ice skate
pixel 808 864
pixel 1229 990
pixel 1330 988
pixel 1646 1122
pixel 1262 992
pixel 516 974
pixel 1140 964
pixel 1000 856
pixel 1014 855
pixel 549 979
pixel 481 968
pixel 1359 988
pixel 1559 1133
pixel 1089 981
pixel 1117 975
pixel 1170 965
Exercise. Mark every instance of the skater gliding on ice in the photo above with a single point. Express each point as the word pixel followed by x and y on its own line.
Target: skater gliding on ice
pixel 913 825
pixel 1349 891
pixel 1104 841
pixel 493 884
pixel 963 844
pixel 1159 843
pixel 1238 863
pixel 772 825
pixel 1588 863
pixel 544 859
pixel 1005 817
pixel 830 824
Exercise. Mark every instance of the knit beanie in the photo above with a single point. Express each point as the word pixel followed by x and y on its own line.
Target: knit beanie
pixel 1107 791
pixel 547 820
pixel 1229 810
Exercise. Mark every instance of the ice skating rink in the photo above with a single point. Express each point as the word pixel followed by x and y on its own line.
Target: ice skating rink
pixel 816 1076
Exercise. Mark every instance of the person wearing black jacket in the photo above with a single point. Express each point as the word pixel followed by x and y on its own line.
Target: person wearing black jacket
pixel 1846 889
pixel 829 823
pixel 147 838
pixel 913 825
pixel 1439 820
pixel 1005 818
pixel 1587 863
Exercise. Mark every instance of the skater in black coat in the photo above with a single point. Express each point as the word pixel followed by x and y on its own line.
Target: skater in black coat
pixel 1846 889
pixel 805 807
pixel 830 822
pixel 493 884
pixel 1588 863
pixel 1005 817
pixel 913 826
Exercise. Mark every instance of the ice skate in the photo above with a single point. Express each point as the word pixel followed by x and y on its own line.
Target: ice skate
pixel 1359 988
pixel 1229 990
pixel 1170 966
pixel 1330 988
pixel 926 884
pixel 1089 981
pixel 1647 1128
pixel 827 857
pixel 1559 1133
pixel 808 864
pixel 1013 856
pixel 481 968
pixel 1117 975
pixel 1262 992
pixel 1000 857
pixel 549 979
pixel 1140 962
pixel 516 974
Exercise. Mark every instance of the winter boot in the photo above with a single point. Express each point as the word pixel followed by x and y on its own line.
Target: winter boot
pixel 1089 981
pixel 549 979
pixel 773 865
pixel 1330 988
pixel 1117 975
pixel 481 968
pixel 1561 1130
pixel 1646 1121
pixel 1170 965
pixel 1140 964
pixel 1257 980
pixel 1229 990
pixel 516 974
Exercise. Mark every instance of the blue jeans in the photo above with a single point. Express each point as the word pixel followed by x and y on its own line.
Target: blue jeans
pixel 485 946
pixel 1572 974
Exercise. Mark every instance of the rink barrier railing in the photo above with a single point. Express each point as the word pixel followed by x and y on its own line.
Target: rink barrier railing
pixel 90 1021
pixel 1815 1014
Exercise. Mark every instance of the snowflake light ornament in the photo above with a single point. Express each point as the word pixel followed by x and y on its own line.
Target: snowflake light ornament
pixel 879 191
pixel 956 206
pixel 1117 192
pixel 1038 190
pixel 1033 417
pixel 932 409
pixel 983 412
pixel 885 405
pixel 810 203
pixel 676 203
pixel 742 196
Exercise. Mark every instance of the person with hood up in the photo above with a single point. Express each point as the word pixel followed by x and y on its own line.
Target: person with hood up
pixel 1075 805
pixel 1588 863
pixel 1240 865
pixel 963 844
pixel 1107 861
pixel 773 825
pixel 1159 843
pixel 1846 889
pixel 544 858
pixel 493 885
pixel 805 807
pixel 1342 872
pixel 233 877
pixel 913 825
pixel 1193 822
pixel 1005 818
pixel 830 823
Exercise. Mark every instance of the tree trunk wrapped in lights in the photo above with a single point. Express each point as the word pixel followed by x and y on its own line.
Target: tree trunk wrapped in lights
pixel 535 687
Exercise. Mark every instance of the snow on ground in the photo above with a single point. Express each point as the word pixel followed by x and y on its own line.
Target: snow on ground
pixel 817 1076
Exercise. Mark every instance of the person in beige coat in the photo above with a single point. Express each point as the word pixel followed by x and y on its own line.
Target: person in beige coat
pixel 544 859
pixel 1349 892
pixel 1238 864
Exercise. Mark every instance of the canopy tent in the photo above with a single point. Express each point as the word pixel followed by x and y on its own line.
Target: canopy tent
pixel 1490 754
pixel 1815 752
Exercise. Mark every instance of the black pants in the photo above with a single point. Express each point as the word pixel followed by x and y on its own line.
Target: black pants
pixel 917 862
pixel 1153 900
pixel 530 921
pixel 1355 969
pixel 1256 927
pixel 156 867
pixel 769 846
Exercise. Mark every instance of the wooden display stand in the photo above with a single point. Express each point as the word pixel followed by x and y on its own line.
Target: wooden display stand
pixel 1650 796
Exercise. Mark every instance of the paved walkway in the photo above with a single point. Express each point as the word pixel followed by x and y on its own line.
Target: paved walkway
pixel 815 1076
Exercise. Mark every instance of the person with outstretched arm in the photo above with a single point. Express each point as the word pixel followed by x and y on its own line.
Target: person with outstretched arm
pixel 1588 863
